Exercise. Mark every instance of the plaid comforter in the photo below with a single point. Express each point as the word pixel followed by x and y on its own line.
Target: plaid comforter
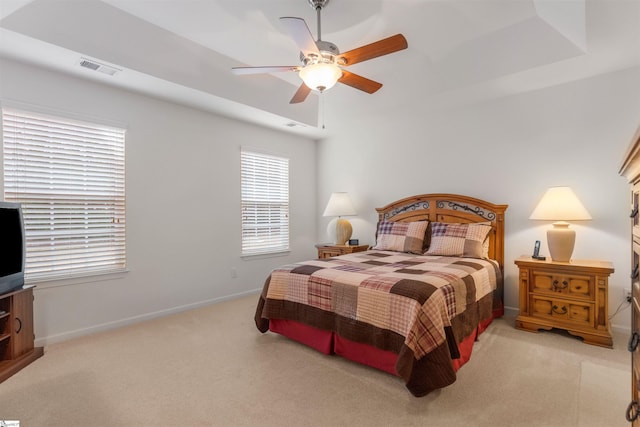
pixel 419 307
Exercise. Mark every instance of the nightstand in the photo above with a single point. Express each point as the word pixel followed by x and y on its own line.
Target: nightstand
pixel 565 295
pixel 328 251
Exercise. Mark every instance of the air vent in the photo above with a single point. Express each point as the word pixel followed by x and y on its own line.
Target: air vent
pixel 97 66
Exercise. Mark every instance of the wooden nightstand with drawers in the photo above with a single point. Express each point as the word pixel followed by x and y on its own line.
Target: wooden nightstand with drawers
pixel 566 295
pixel 328 251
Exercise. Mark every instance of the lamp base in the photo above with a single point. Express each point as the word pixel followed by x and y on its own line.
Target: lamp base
pixel 561 240
pixel 343 231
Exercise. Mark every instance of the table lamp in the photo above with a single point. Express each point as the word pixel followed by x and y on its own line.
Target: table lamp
pixel 340 205
pixel 560 204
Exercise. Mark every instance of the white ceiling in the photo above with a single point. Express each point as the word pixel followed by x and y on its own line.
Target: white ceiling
pixel 460 51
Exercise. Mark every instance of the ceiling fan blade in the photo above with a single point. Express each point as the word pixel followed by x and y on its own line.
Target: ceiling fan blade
pixel 373 50
pixel 301 94
pixel 301 35
pixel 259 70
pixel 359 82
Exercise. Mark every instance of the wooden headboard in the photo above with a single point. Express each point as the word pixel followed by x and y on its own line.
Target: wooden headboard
pixel 451 208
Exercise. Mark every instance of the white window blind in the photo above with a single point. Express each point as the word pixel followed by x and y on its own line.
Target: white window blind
pixel 265 203
pixel 70 179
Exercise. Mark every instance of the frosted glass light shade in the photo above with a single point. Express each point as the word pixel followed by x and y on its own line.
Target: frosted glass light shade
pixel 340 205
pixel 560 204
pixel 320 76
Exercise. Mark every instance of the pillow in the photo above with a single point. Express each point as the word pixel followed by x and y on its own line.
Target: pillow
pixel 401 236
pixel 485 244
pixel 427 239
pixel 452 239
pixel 485 248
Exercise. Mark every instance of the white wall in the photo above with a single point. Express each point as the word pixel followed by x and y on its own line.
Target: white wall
pixel 183 185
pixel 506 151
pixel 183 205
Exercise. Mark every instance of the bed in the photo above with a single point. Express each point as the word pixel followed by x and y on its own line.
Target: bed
pixel 413 304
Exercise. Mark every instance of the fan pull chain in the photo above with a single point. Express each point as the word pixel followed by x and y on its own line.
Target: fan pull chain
pixel 322 107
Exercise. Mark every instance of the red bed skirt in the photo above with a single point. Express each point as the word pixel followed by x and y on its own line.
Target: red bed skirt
pixel 329 343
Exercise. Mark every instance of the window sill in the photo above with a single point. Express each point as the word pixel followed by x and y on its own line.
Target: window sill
pixel 262 255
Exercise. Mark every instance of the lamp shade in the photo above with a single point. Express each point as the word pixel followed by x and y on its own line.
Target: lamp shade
pixel 560 204
pixel 320 76
pixel 339 205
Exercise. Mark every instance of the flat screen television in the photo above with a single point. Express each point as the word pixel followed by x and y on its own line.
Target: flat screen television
pixel 12 242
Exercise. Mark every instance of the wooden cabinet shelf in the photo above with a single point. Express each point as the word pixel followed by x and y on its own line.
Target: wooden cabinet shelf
pixel 16 332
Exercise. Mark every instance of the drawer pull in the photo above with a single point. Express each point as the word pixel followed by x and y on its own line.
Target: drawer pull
pixel 19 328
pixel 555 309
pixel 632 411
pixel 634 212
pixel 634 340
pixel 564 284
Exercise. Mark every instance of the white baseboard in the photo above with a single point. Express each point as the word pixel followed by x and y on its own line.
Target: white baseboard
pixel 53 339
pixel 621 329
pixel 511 311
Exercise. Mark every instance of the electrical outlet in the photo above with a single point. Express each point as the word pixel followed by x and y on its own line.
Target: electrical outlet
pixel 627 295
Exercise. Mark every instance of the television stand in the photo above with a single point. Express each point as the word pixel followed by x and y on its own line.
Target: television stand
pixel 16 332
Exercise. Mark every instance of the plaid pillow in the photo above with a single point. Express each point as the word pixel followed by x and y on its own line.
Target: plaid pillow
pixel 465 240
pixel 401 236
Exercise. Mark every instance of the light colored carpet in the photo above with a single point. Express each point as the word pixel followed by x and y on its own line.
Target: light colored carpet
pixel 211 367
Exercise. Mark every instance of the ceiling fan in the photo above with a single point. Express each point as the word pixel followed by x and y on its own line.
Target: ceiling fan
pixel 321 60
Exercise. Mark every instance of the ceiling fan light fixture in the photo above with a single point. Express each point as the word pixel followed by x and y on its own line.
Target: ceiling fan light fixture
pixel 322 60
pixel 320 76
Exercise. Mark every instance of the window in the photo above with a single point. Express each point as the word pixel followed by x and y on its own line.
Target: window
pixel 70 178
pixel 265 203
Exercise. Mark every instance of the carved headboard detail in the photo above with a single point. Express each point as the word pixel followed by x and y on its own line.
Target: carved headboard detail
pixel 451 208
